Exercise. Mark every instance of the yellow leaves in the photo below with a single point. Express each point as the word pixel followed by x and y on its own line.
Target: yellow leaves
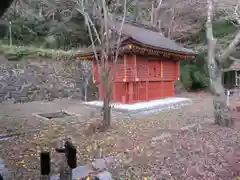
pixel 20 163
pixel 27 155
pixel 149 153
pixel 89 148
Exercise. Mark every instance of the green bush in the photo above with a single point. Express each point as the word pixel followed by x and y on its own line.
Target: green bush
pixel 193 74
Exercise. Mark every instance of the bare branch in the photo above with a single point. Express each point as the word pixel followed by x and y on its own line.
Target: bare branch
pixel 152 14
pixel 155 12
pixel 105 19
pixel 159 5
pixel 235 42
pixel 234 59
pixel 236 12
pixel 209 33
pixel 230 49
pixel 87 18
pixel 119 39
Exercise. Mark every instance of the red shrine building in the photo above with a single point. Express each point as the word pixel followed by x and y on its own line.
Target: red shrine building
pixel 147 66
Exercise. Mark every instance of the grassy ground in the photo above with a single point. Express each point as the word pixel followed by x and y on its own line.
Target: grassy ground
pixel 155 145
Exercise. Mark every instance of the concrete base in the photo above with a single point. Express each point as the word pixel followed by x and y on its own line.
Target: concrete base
pixel 146 107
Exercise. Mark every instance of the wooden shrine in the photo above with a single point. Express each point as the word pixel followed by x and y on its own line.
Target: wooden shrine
pixel 147 66
pixel 231 76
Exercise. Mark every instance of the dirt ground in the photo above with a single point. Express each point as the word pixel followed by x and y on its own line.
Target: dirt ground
pixel 172 144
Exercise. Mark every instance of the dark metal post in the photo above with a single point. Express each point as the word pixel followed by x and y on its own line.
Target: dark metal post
pixel 45 165
pixel 70 157
pixel 71 154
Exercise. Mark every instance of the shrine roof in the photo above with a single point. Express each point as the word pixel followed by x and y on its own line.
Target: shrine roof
pixel 149 36
pixel 143 35
pixel 234 67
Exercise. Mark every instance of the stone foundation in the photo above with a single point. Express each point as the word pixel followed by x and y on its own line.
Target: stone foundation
pixel 145 107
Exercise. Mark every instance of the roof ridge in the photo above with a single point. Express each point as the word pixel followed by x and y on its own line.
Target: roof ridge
pixel 138 24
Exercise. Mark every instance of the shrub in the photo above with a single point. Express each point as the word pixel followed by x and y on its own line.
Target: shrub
pixel 193 74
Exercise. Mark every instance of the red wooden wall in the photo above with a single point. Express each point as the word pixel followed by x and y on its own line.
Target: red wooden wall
pixel 141 79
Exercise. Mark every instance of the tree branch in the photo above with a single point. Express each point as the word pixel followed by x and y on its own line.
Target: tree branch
pixel 233 45
pixel 209 33
pixel 236 12
pixel 234 59
pixel 159 5
pixel 106 29
pixel 119 40
pixel 154 12
pixel 230 49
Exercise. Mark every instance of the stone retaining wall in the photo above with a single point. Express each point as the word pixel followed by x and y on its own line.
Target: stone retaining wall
pixel 38 79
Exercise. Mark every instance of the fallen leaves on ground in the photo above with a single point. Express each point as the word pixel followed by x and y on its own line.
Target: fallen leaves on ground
pixel 207 151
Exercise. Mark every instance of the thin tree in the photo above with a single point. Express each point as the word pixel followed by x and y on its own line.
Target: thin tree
pixel 85 72
pixel 108 56
pixel 216 64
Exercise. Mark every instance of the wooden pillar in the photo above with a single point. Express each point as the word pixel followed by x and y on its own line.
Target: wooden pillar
pixel 230 79
pixel 178 71
pixel 161 86
pixel 125 68
pixel 135 65
pixel 161 89
pixel 173 89
pixel 114 92
pixel 161 69
pixel 130 92
pixel 147 84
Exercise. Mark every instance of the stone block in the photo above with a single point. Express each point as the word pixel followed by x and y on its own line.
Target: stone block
pixel 99 164
pixel 3 170
pixel 102 164
pixel 105 175
pixel 81 171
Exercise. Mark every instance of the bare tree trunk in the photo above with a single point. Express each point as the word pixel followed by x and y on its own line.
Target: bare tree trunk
pixel 222 114
pixel 106 105
pixel 221 111
pixel 106 112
